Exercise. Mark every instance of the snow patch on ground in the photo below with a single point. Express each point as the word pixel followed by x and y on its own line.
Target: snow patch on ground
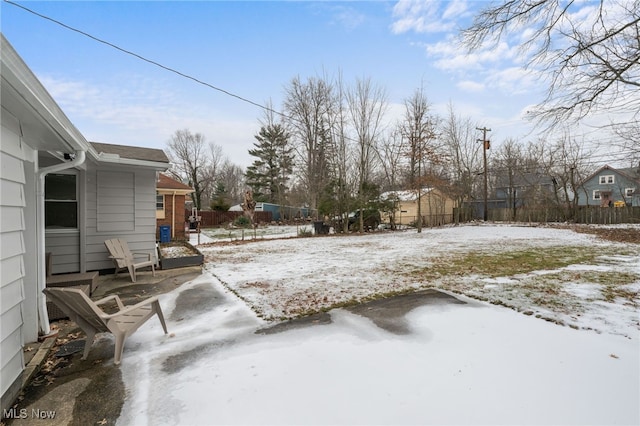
pixel 285 278
pixel 473 363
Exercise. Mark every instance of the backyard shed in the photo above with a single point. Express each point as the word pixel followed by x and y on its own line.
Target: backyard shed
pixel 436 208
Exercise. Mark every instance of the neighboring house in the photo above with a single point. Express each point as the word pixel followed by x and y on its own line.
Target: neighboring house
pixel 611 187
pixel 170 205
pixel 436 207
pixel 59 194
pixel 522 189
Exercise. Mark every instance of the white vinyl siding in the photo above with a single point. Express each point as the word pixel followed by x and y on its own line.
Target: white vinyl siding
pixel 65 250
pixel 12 250
pixel 116 201
pixel 141 204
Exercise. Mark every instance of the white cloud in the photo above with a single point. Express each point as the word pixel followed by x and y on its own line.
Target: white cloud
pixel 470 86
pixel 425 16
pixel 347 17
pixel 450 57
pixel 512 80
pixel 455 9
pixel 147 114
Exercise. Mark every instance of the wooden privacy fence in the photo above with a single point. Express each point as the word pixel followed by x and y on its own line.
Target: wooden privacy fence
pixel 607 215
pixel 430 220
pixel 582 214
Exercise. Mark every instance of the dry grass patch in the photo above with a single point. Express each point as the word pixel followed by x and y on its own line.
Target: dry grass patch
pixel 508 263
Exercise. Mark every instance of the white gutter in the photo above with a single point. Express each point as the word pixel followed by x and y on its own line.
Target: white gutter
pixel 116 159
pixel 40 221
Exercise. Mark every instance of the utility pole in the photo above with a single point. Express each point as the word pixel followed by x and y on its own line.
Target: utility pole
pixel 485 146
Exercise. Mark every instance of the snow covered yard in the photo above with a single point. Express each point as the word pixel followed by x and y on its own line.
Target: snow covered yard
pixel 562 276
pixel 459 363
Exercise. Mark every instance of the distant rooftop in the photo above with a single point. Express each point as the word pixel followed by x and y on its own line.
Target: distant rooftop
pixel 132 152
pixel 166 182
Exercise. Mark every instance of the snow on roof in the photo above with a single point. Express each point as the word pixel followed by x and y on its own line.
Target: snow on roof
pixel 406 195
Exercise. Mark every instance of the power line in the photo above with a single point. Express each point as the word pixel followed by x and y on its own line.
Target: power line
pixel 150 61
pixel 201 82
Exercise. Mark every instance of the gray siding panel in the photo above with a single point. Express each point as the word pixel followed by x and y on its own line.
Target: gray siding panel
pixel 65 250
pixel 116 189
pixel 120 203
pixel 12 248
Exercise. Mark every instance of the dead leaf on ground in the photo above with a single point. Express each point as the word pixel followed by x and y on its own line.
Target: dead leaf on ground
pixel 102 422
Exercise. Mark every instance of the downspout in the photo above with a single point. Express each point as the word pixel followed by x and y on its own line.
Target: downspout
pixel 42 278
pixel 173 216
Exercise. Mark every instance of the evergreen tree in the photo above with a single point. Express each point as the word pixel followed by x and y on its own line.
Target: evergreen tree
pixel 269 173
pixel 220 201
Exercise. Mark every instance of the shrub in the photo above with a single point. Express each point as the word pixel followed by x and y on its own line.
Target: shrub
pixel 242 222
pixel 304 232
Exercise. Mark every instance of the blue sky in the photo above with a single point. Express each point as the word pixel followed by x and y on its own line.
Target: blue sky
pixel 254 49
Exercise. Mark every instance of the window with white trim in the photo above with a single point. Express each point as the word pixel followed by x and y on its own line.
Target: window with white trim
pixel 159 206
pixel 60 201
pixel 596 195
pixel 607 179
pixel 628 192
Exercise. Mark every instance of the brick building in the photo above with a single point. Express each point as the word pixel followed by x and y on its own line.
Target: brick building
pixel 170 200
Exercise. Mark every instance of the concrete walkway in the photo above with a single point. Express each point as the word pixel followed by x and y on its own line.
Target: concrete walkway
pixel 71 391
pixel 66 390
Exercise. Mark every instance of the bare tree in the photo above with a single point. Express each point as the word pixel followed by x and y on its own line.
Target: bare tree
pixel 366 104
pixel 337 198
pixel 592 58
pixel 568 163
pixel 231 179
pixel 510 173
pixel 306 108
pixel 195 162
pixel 391 154
pixel 627 141
pixel 418 131
pixel 459 136
pixel 211 171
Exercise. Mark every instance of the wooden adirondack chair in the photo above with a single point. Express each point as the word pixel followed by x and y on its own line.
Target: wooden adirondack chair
pixel 91 319
pixel 123 258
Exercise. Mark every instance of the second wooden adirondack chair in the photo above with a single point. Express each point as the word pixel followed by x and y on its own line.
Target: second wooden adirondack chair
pixel 123 258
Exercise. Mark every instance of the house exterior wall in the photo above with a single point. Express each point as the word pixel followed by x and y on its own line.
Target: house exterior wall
pixel 173 216
pixel 114 202
pixel 608 191
pixel 12 258
pixel 132 217
pixel 32 123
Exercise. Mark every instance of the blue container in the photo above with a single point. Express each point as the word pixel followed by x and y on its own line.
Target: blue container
pixel 165 234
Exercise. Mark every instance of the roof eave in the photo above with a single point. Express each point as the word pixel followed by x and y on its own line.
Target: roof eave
pixel 115 159
pixel 31 93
